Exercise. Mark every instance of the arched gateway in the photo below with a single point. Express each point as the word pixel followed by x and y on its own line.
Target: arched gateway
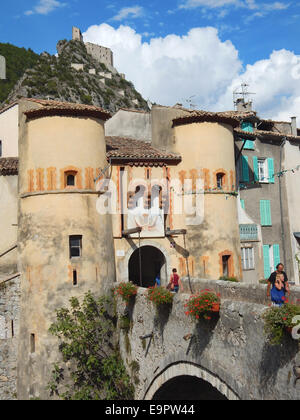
pixel 145 264
pixel 188 381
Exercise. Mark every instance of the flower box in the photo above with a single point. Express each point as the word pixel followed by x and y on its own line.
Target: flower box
pixel 203 305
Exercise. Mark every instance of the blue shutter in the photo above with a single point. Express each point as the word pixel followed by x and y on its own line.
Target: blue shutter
pixel 243 204
pixel 267 268
pixel 265 213
pixel 245 169
pixel 271 171
pixel 276 254
pixel 255 168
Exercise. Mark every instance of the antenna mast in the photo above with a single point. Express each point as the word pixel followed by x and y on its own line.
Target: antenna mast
pixel 242 97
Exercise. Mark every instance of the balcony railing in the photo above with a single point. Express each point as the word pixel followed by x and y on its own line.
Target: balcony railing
pixel 248 232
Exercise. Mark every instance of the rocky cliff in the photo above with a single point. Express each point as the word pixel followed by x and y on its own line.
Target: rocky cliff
pixel 75 76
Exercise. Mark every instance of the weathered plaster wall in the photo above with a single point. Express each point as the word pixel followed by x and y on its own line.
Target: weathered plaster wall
pixel 131 124
pixel 9 131
pixel 292 181
pixel 9 330
pixel 230 353
pixel 8 224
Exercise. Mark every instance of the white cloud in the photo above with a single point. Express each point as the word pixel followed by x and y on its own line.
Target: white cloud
pixel 44 7
pixel 129 12
pixel 246 4
pixel 172 69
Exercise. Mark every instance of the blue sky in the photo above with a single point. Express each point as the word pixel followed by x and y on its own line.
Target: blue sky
pixel 252 41
pixel 254 31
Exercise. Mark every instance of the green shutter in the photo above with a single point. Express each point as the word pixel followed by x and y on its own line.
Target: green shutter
pixel 271 171
pixel 248 126
pixel 276 254
pixel 245 169
pixel 267 268
pixel 255 168
pixel 243 204
pixel 265 213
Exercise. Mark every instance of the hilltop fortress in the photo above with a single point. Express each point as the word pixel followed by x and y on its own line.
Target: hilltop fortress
pixel 102 54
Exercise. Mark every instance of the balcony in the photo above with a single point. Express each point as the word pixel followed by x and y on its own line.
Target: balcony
pixel 248 233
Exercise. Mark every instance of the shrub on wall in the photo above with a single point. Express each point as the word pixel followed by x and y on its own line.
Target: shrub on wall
pixel 91 357
pixel 126 291
pixel 160 296
pixel 203 305
pixel 279 321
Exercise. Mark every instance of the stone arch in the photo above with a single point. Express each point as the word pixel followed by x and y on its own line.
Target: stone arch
pixel 185 368
pixel 124 268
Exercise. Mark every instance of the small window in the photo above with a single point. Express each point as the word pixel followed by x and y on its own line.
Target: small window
pixel 225 264
pixel 70 179
pixel 0 148
pixel 248 258
pixel 220 181
pixel 32 343
pixel 75 243
pixel 74 278
pixel 263 173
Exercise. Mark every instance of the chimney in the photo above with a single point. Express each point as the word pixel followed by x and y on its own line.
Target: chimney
pixel 294 126
pixel 243 106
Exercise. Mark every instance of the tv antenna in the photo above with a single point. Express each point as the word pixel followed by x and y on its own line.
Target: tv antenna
pixel 244 95
pixel 190 102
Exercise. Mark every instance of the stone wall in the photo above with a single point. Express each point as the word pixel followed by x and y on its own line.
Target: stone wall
pixel 232 353
pixel 9 326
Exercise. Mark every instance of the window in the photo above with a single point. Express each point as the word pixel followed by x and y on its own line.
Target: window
pixel 225 263
pixel 220 181
pixel 248 258
pixel 0 148
pixel 265 213
pixel 74 278
pixel 263 169
pixel 32 343
pixel 70 179
pixel 75 244
pixel 271 255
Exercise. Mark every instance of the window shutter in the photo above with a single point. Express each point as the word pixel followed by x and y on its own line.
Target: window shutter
pixel 265 213
pixel 276 254
pixel 248 126
pixel 271 170
pixel 243 204
pixel 245 169
pixel 255 168
pixel 267 269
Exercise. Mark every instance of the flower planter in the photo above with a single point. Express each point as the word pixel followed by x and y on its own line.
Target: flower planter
pixel 215 307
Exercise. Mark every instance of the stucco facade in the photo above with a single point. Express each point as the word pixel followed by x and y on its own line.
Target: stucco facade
pixel 9 131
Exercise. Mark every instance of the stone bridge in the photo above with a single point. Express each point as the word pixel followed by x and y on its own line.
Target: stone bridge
pixel 172 357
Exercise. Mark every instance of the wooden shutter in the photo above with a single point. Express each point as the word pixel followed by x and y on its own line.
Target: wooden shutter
pixel 243 204
pixel 265 213
pixel 271 170
pixel 255 168
pixel 276 254
pixel 267 268
pixel 245 169
pixel 248 126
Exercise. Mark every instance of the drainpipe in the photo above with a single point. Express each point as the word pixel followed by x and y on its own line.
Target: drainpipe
pixel 281 204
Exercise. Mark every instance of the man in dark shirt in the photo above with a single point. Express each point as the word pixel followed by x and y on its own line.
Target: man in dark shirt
pixel 272 279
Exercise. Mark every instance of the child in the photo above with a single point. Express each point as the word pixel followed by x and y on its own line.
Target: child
pixel 278 291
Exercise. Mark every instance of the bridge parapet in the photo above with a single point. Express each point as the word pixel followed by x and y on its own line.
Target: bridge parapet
pixel 242 292
pixel 232 353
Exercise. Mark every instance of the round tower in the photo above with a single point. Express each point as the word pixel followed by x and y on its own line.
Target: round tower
pixel 205 142
pixel 65 246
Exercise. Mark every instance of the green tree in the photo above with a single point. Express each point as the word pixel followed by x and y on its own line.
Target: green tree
pixel 87 335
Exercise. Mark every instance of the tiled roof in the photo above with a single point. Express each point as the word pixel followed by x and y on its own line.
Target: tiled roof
pixel 120 148
pixel 65 108
pixel 261 134
pixel 204 116
pixel 9 166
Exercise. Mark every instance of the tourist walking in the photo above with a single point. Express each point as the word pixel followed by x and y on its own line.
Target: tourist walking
pixel 278 286
pixel 175 282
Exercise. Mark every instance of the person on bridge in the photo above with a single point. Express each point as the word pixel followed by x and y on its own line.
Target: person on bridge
pixel 175 282
pixel 280 285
